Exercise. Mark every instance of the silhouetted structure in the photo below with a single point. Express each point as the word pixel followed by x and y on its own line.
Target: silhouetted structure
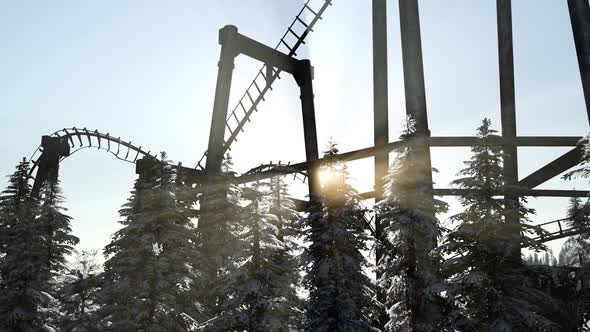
pixel 56 147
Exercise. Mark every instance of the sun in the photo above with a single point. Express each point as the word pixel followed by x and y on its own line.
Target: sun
pixel 330 175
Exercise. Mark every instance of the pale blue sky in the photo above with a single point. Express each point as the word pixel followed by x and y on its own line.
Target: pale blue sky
pixel 146 71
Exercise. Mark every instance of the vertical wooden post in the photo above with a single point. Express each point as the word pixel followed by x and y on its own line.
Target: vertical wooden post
pixel 48 163
pixel 304 78
pixel 580 19
pixel 227 37
pixel 213 189
pixel 421 196
pixel 415 93
pixel 380 126
pixel 508 109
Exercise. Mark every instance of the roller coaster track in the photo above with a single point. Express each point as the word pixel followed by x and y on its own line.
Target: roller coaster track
pixel 248 103
pixel 277 169
pixel 83 139
pixel 79 139
pixel 564 229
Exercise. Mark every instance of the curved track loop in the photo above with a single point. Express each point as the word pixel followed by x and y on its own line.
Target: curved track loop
pixel 279 168
pixel 79 139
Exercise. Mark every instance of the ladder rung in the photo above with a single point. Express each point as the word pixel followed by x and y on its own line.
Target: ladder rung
pixel 296 35
pixel 289 47
pixel 311 10
pixel 249 96
pixel 243 108
pixel 303 22
pixel 258 88
pixel 235 116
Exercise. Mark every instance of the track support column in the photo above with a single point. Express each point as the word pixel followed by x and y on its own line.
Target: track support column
pixel 214 186
pixel 304 77
pixel 415 93
pixel 421 196
pixel 48 167
pixel 380 126
pixel 227 39
pixel 580 19
pixel 508 111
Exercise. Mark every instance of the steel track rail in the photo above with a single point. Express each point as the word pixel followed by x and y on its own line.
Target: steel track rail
pixel 84 139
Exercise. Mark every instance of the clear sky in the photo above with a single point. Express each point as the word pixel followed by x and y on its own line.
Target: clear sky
pixel 146 71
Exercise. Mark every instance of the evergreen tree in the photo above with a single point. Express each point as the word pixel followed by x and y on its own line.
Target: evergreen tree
pixel 573 253
pixel 219 241
pixel 584 170
pixel 56 228
pixel 408 267
pixel 490 288
pixel 23 269
pixel 547 259
pixel 287 223
pixel 263 297
pixel 148 268
pixel 339 291
pixel 58 241
pixel 577 213
pixel 78 293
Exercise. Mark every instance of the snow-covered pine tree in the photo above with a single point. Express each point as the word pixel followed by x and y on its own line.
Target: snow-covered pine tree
pixel 56 227
pixel 581 246
pixel 287 221
pixel 584 170
pixel 78 293
pixel 263 296
pixel 491 292
pixel 58 240
pixel 547 259
pixel 577 212
pixel 573 253
pixel 408 267
pixel 148 268
pixel 219 243
pixel 340 292
pixel 23 270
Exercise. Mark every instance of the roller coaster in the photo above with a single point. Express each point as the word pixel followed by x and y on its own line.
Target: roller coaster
pixel 226 125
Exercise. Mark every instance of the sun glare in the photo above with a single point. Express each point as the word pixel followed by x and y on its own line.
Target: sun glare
pixel 329 175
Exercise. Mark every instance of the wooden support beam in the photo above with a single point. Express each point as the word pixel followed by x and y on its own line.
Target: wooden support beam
pixel 304 77
pixel 530 141
pixel 448 141
pixel 266 54
pixel 54 148
pixel 529 193
pixel 508 112
pixel 301 204
pixel 580 18
pixel 420 196
pixel 553 169
pixel 380 96
pixel 227 37
pixel 380 128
